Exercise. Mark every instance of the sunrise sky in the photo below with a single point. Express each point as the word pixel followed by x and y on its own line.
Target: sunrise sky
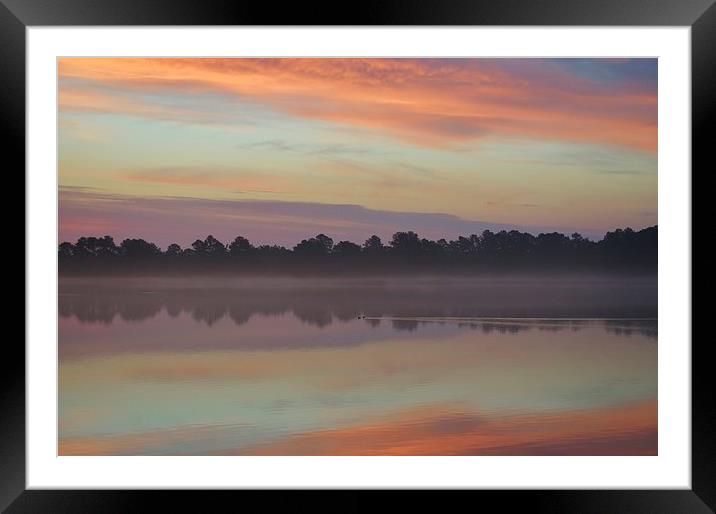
pixel 281 149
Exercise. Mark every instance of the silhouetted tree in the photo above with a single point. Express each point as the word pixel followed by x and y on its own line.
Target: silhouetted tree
pixel 465 246
pixel 406 243
pixel 209 247
pixel 552 249
pixel 173 250
pixel 373 246
pixel 621 249
pixel 630 248
pixel 320 245
pixel 272 257
pixel 432 250
pixel 96 247
pixel 66 250
pixel 240 247
pixel 346 249
pixel 325 241
pixel 199 247
pixel 139 249
pixel 213 246
pixel 273 250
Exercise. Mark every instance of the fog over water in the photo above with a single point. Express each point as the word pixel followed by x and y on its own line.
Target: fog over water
pixel 416 365
pixel 101 299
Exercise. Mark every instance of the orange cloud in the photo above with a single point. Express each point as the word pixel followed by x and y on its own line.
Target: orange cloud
pixel 425 102
pixel 82 100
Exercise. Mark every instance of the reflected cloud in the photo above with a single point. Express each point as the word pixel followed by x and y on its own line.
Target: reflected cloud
pixel 623 430
pixel 431 430
pixel 216 365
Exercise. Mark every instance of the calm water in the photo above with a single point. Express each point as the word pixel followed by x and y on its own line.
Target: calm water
pixel 409 367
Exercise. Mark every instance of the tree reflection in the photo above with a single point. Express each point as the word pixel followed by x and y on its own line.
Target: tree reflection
pixel 407 306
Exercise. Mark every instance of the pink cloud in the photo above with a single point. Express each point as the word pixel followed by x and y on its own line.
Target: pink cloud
pixel 168 220
pixel 426 102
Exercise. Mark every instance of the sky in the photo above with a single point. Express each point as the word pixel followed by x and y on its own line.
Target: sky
pixel 278 150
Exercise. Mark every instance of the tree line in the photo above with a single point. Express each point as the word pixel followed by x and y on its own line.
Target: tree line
pixel 622 249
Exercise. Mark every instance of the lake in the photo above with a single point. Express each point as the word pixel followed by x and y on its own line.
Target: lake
pixel 407 366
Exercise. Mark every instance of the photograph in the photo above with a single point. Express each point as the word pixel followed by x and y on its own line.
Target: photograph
pixel 357 256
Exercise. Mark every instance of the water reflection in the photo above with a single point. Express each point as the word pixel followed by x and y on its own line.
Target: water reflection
pixel 321 302
pixel 442 369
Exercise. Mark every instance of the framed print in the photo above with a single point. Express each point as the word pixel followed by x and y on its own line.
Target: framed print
pixel 444 248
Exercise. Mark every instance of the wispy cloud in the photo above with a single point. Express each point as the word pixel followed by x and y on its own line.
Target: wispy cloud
pixel 281 145
pixel 434 103
pixel 215 177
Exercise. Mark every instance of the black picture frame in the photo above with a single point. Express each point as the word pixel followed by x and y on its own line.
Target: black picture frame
pixel 17 15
